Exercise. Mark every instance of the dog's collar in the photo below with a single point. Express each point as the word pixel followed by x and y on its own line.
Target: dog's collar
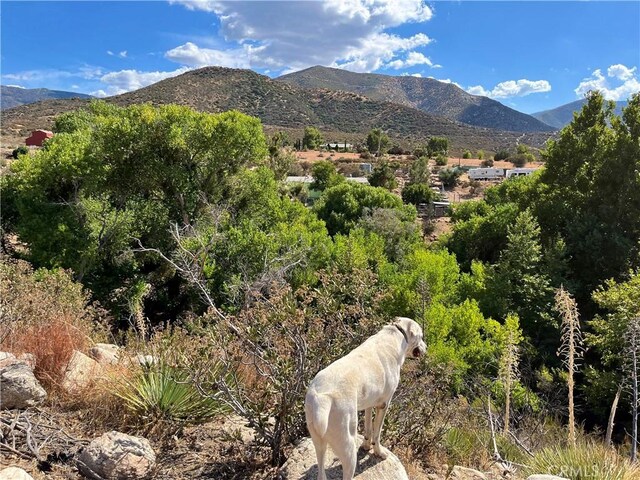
pixel 404 334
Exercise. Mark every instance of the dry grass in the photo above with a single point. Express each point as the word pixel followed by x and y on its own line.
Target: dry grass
pixel 46 314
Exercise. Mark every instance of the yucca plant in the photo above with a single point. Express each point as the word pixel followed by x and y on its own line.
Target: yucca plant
pixel 586 461
pixel 163 394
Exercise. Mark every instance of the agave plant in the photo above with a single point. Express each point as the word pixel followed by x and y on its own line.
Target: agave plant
pixel 164 393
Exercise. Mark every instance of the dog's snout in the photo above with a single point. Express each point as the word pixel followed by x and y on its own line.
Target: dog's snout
pixel 419 350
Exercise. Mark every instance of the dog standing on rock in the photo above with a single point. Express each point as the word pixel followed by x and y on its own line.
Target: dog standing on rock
pixel 364 379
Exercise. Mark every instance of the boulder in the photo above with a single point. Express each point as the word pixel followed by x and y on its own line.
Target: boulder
pixel 302 465
pixel 105 353
pixel 545 477
pixel 7 358
pixel 463 473
pixel 14 473
pixel 117 456
pixel 80 373
pixel 19 387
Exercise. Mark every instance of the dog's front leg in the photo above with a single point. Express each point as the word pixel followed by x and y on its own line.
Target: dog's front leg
pixel 378 449
pixel 368 427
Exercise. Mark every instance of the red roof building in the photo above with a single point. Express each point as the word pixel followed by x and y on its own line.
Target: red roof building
pixel 38 137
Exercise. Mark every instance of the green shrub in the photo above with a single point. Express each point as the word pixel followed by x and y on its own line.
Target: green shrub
pixel 501 155
pixel 441 160
pixel 585 462
pixel 163 394
pixel 417 193
pixel 466 154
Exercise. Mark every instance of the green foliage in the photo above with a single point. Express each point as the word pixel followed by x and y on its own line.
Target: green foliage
pixel 450 176
pixel 480 154
pixel 520 160
pixel 383 175
pixel 162 393
pixel 399 232
pixel 419 170
pixel 325 175
pixel 417 193
pixel 116 174
pixel 441 159
pixel 437 146
pixel 501 155
pixel 377 142
pixel 312 138
pixel 342 206
pixel 467 154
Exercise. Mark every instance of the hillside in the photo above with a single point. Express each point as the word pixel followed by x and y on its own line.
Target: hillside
pixel 277 104
pixel 561 116
pixel 14 96
pixel 426 94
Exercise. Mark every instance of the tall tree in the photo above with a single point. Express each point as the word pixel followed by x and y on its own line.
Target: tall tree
pixel 377 142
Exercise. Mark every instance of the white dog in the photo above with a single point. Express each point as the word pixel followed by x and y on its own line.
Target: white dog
pixel 364 379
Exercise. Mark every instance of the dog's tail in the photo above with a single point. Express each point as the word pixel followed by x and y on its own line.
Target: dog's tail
pixel 317 408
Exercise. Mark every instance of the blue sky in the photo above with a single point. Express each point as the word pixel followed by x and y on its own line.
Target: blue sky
pixel 530 56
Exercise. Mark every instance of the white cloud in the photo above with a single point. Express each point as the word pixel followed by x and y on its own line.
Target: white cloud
pixel 126 80
pixel 447 80
pixel 512 88
pixel 110 53
pixel 16 86
pixel 625 77
pixel 123 54
pixel 192 55
pixel 343 33
pixel 413 58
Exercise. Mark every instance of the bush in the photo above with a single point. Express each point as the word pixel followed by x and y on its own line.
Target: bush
pixel 466 154
pixel 501 155
pixel 519 160
pixel 21 150
pixel 441 160
pixel 417 193
pixel 161 395
pixel 450 176
pixel 487 163
pixel 47 314
pixel 397 150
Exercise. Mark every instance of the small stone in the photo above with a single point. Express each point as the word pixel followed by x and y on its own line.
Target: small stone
pixel 117 456
pixel 105 353
pixel 464 473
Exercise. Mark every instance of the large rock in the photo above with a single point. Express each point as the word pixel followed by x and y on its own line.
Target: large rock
pixel 19 388
pixel 105 353
pixel 81 372
pixel 117 456
pixel 463 473
pixel 14 473
pixel 302 465
pixel 545 477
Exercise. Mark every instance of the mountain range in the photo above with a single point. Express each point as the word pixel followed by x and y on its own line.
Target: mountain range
pixel 561 116
pixel 14 96
pixel 426 94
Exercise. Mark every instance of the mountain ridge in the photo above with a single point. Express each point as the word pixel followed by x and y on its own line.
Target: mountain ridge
pixel 561 116
pixel 11 96
pixel 426 94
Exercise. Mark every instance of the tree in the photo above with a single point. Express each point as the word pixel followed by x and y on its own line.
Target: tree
pixel 383 175
pixel 571 349
pixel 437 146
pixel 342 206
pixel 417 193
pixel 377 142
pixel 480 154
pixel 632 367
pixel 466 154
pixel 501 155
pixel 450 176
pixel 114 174
pixel 312 138
pixel 325 175
pixel 419 171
